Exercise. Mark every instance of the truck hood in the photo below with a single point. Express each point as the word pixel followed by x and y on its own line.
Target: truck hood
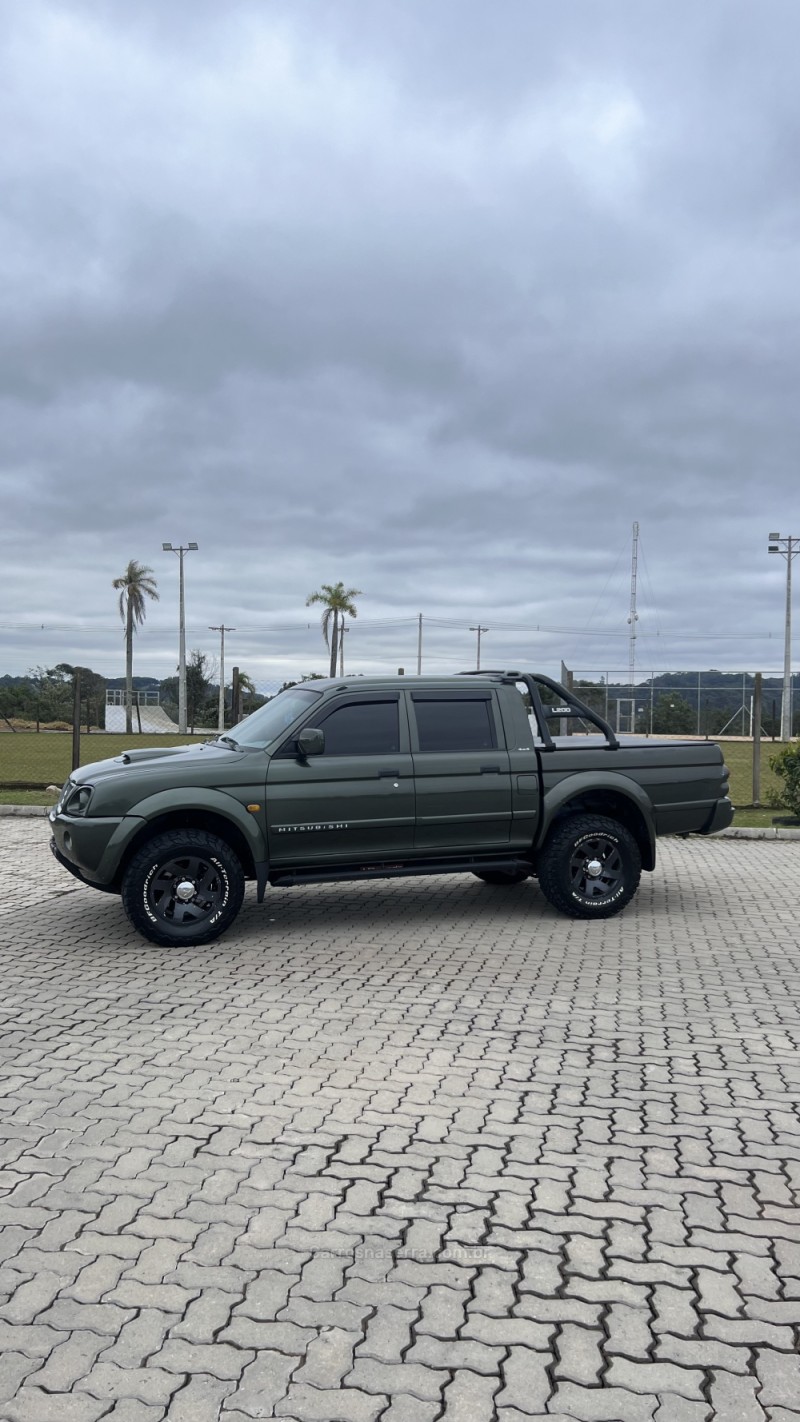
pixel 168 766
pixel 135 761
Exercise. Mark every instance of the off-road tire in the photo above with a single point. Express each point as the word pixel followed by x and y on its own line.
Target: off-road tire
pixel 501 876
pixel 589 867
pixel 183 857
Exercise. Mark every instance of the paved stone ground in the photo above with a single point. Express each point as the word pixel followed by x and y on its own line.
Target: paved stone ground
pixel 404 1152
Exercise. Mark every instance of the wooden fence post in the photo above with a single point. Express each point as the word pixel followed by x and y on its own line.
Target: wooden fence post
pixel 76 718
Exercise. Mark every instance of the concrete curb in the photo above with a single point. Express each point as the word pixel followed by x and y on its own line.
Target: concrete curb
pixel 734 832
pixel 24 811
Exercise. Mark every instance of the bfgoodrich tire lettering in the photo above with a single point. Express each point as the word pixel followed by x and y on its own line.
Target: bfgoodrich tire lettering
pixel 590 867
pixel 183 887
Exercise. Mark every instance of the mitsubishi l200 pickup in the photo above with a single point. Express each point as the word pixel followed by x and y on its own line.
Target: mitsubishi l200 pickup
pixel 374 777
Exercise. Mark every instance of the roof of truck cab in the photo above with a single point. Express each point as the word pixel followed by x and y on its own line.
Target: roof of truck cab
pixel 447 680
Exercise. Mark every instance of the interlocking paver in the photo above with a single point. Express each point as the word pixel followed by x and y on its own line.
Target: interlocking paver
pixel 579 1356
pixel 527 1383
pixel 148 1384
pixel 388 1334
pixel 32 1404
pixel 733 1399
pixel 263 1383
pixel 311 1404
pixel 606 1404
pixel 463 1353
pixel 404 1151
pixel 129 1409
pixel 14 1369
pixel 779 1375
pixel 679 1409
pixel 328 1357
pixel 138 1339
pixel 70 1361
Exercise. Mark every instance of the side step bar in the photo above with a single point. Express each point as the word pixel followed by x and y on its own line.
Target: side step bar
pixel 389 870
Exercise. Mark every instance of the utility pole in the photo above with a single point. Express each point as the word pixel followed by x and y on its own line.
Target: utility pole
pixel 342 631
pixel 756 732
pixel 479 629
pixel 180 550
pixel 221 713
pixel 419 647
pixel 788 549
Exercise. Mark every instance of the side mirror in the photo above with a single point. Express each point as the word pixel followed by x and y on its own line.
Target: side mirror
pixel 310 741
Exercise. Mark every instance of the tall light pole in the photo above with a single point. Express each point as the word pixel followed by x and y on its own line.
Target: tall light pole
pixel 788 549
pixel 180 550
pixel 221 713
pixel 479 629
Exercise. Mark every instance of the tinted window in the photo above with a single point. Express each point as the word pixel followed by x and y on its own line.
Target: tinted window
pixel 455 725
pixel 363 728
pixel 271 720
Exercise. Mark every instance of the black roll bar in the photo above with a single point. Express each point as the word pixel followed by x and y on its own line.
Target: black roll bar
pixel 532 681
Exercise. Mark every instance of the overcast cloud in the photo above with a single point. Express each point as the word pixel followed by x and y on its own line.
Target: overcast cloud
pixel 436 299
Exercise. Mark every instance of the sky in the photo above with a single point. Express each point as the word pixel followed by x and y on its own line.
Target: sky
pixel 434 299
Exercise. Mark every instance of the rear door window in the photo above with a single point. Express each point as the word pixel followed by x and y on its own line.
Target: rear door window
pixel 456 723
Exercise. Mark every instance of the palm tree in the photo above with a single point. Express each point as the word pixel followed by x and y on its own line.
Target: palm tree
pixel 247 691
pixel 136 584
pixel 338 603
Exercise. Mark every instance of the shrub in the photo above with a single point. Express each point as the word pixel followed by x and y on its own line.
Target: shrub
pixel 786 765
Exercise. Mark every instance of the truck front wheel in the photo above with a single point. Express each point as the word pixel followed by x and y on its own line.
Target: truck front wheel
pixel 184 887
pixel 589 867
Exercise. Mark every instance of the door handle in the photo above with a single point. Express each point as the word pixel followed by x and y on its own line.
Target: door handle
pixel 388 774
pixel 490 770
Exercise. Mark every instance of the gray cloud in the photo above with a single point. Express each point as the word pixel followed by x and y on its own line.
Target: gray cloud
pixel 426 299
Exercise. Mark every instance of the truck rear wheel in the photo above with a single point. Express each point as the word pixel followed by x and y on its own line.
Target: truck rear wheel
pixel 590 867
pixel 184 887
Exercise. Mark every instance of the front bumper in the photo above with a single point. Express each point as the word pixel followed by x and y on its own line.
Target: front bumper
pixel 92 848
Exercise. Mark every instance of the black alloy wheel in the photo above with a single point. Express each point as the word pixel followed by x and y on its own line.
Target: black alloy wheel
pixel 183 887
pixel 590 867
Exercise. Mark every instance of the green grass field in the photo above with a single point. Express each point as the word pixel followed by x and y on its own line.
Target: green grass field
pixel 45 759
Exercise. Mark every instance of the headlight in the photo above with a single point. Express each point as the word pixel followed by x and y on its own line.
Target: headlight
pixel 77 803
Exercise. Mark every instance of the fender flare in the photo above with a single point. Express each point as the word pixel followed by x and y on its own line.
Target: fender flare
pixel 586 781
pixel 213 801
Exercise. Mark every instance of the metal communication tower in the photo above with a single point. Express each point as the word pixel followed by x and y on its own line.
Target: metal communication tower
pixel 634 616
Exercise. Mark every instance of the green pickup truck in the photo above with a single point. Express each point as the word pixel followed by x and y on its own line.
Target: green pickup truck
pixel 373 777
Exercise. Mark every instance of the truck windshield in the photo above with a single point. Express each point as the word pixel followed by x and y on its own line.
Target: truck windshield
pixel 269 722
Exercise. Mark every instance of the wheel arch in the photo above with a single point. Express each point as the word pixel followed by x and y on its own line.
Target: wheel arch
pixel 617 798
pixel 193 817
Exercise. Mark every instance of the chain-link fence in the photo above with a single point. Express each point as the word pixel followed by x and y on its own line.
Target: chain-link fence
pixel 68 717
pixel 63 718
pixel 688 703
